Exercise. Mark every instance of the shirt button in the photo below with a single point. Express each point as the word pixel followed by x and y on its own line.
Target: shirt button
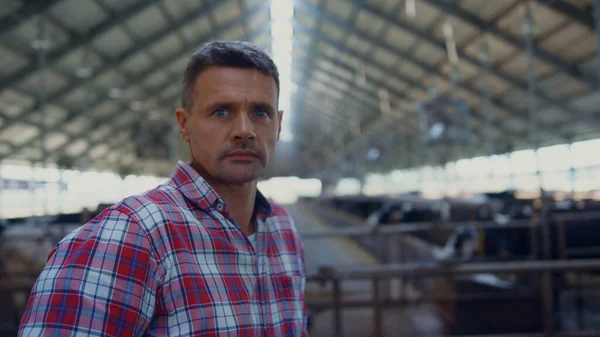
pixel 219 206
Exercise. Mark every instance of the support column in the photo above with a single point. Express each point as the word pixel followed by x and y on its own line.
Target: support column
pixel 41 45
pixel 571 168
pixel 547 278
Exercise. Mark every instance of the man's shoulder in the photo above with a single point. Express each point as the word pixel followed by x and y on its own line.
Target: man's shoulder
pixel 149 208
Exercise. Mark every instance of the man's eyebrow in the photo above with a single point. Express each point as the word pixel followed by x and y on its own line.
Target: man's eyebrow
pixel 264 105
pixel 229 105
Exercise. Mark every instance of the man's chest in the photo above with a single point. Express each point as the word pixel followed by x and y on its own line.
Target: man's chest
pixel 216 280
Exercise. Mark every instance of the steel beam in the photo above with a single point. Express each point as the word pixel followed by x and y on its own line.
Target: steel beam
pixel 517 114
pixel 79 41
pixel 394 72
pixel 424 36
pixel 164 63
pixel 584 17
pixel 28 10
pixel 571 69
pixel 114 64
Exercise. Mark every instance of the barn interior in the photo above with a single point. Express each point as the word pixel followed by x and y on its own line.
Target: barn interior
pixel 440 158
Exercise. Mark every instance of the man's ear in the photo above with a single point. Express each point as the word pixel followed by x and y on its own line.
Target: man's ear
pixel 280 113
pixel 182 117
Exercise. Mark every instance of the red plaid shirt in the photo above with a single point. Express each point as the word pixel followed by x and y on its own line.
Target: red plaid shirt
pixel 173 262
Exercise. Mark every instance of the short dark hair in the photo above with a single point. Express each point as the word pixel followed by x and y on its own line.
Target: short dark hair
pixel 236 54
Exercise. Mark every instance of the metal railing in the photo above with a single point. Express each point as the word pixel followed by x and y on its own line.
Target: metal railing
pixel 400 233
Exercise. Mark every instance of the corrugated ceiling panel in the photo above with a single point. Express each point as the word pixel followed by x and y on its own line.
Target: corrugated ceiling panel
pixel 167 47
pixel 258 21
pixel 344 73
pixel 304 19
pixel 77 98
pixel 104 109
pixel 10 7
pixel 120 4
pixel 461 30
pixel 227 12
pixel 5 148
pixel 171 92
pixel 486 9
pixel 399 38
pixel 78 125
pixel 54 140
pixel 263 40
pixel 395 84
pixel 384 57
pixel 581 49
pixel 341 10
pixel 498 49
pixel 10 62
pixel 234 33
pixel 178 66
pixel 429 54
pixel 180 8
pixel 14 102
pixel 387 5
pixel 408 69
pixel 109 79
pixel 374 72
pixel 147 23
pixel 27 32
pixel 54 114
pixel 101 132
pixel 496 86
pixel 427 15
pixel 369 23
pixel 515 126
pixel 32 153
pixel 114 42
pixel 99 151
pixel 545 20
pixel 517 66
pixel 332 32
pixel 79 15
pixel 76 148
pixel 561 85
pixel 359 45
pixel 76 58
pixel 563 38
pixel 252 3
pixel 196 29
pixel 137 64
pixel 19 133
pixel 54 82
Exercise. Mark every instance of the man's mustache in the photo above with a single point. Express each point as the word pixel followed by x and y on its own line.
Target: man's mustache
pixel 244 146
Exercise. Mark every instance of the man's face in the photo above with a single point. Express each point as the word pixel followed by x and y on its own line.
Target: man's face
pixel 233 124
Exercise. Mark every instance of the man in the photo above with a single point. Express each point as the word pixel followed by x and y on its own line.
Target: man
pixel 204 254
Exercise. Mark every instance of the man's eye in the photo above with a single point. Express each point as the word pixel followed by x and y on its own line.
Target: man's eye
pixel 262 113
pixel 221 112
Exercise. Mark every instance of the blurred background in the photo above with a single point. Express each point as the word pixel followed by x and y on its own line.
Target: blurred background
pixel 441 158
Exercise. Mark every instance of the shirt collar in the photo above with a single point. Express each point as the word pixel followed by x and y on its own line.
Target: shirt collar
pixel 197 190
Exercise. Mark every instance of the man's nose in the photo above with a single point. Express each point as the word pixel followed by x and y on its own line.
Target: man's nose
pixel 243 129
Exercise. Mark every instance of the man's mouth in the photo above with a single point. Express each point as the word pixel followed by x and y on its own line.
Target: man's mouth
pixel 242 155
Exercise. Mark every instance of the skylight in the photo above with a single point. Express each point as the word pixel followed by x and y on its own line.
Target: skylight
pixel 282 32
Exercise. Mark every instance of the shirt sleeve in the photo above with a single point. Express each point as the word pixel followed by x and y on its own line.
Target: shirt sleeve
pixel 304 308
pixel 100 280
